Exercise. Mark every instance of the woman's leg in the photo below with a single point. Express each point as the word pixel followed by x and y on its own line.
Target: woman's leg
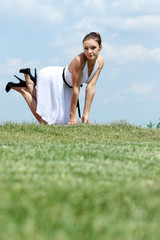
pixel 30 85
pixel 31 101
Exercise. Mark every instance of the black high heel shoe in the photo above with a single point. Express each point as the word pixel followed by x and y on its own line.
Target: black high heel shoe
pixel 12 84
pixel 28 71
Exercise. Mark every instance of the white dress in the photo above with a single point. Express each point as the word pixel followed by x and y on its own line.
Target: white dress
pixel 54 96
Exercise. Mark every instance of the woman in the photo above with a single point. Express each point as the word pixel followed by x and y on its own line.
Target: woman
pixel 53 94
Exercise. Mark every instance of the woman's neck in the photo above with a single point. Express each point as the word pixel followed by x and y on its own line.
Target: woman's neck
pixel 91 63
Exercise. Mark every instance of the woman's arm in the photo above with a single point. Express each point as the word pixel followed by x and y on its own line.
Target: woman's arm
pixel 76 73
pixel 90 92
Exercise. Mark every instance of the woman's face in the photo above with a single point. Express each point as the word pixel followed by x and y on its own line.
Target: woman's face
pixel 91 49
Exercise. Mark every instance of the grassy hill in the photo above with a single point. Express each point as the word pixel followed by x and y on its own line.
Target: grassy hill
pixel 99 182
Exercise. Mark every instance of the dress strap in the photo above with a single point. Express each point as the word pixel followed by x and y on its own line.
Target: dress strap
pixel 63 75
pixel 78 104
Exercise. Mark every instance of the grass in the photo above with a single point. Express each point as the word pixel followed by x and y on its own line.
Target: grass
pixel 79 182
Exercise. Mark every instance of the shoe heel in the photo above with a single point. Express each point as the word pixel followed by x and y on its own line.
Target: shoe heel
pixel 8 88
pixel 35 76
pixel 13 84
pixel 18 79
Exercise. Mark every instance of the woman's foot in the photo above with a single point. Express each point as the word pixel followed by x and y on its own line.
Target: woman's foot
pixel 14 85
pixel 28 71
pixel 30 80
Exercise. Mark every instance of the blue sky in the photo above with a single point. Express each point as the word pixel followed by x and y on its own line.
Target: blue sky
pixel 39 33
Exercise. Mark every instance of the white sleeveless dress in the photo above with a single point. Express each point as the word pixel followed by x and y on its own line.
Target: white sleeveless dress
pixel 54 96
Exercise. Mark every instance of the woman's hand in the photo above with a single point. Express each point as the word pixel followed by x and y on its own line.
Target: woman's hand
pixel 85 120
pixel 72 121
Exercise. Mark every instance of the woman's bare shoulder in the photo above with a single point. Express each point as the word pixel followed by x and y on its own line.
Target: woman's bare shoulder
pixel 78 61
pixel 100 61
pixel 81 58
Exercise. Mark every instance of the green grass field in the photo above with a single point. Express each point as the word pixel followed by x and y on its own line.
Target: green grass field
pixel 99 182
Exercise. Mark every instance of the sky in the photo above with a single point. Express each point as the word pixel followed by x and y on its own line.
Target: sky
pixel 40 33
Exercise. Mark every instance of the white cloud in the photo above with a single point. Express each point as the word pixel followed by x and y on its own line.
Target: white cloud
pixel 85 24
pixel 53 61
pixel 129 6
pixel 117 98
pixel 72 51
pixel 12 65
pixel 147 23
pixel 130 53
pixel 155 54
pixel 142 23
pixel 144 89
pixel 48 11
pixel 95 4
pixel 136 15
pixel 3 83
pixel 147 89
